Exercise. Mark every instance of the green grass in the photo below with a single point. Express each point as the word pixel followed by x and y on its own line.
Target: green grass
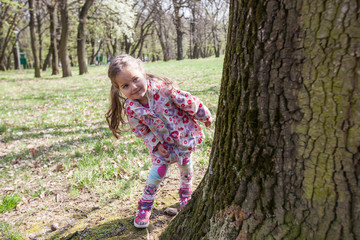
pixel 52 120
pixel 7 232
pixel 9 202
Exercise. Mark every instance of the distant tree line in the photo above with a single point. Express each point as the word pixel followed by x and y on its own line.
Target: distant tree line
pixel 63 33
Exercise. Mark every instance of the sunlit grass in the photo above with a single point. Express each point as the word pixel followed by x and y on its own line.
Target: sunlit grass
pixel 55 127
pixel 7 232
pixel 9 202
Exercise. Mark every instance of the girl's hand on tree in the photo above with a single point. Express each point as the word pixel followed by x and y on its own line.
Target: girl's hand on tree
pixel 162 151
pixel 208 122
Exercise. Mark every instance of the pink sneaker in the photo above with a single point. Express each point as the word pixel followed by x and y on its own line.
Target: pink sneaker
pixel 143 214
pixel 185 196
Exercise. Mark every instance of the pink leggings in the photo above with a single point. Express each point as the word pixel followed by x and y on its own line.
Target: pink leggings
pixel 157 174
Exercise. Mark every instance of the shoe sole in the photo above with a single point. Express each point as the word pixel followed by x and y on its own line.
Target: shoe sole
pixel 140 226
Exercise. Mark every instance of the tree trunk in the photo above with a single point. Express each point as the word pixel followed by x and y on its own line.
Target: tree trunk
pixel 47 59
pixel 164 47
pixel 64 57
pixel 38 19
pixel 194 53
pixel 33 39
pixel 4 40
pixel 53 40
pixel 179 31
pixel 127 44
pixel 285 162
pixel 81 37
pixel 114 47
pixel 92 57
pixel 15 55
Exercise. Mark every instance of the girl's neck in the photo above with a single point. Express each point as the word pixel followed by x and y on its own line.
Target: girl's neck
pixel 144 100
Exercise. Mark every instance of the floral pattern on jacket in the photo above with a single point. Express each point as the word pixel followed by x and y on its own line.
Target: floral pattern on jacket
pixel 170 118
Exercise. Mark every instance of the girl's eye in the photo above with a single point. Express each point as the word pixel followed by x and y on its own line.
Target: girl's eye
pixel 135 79
pixel 124 86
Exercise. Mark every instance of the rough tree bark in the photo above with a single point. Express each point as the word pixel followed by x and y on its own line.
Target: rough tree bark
pixel 64 57
pixel 285 163
pixel 81 37
pixel 33 39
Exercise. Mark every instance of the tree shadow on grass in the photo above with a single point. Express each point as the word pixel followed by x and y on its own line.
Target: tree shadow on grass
pixel 58 146
pixel 29 133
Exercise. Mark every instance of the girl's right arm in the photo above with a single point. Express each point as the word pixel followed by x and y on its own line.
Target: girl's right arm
pixel 142 131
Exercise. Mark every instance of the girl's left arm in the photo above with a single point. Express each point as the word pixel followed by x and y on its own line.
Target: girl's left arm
pixel 191 104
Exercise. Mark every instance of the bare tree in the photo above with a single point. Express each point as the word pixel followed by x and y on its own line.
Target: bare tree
pixel 285 162
pixel 33 39
pixel 143 24
pixel 81 37
pixel 63 46
pixel 216 13
pixel 162 28
pixel 193 39
pixel 9 18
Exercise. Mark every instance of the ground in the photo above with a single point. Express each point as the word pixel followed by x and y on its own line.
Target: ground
pixel 62 173
pixel 84 217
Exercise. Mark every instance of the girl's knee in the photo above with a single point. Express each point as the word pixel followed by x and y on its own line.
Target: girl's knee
pixel 158 173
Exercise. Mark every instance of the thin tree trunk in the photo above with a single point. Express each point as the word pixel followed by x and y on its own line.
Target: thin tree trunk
pixel 38 19
pixel 92 60
pixel 285 162
pixel 5 40
pixel 33 39
pixel 81 37
pixel 179 31
pixel 114 47
pixel 8 61
pixel 15 55
pixel 47 59
pixel 53 39
pixel 164 47
pixel 64 57
pixel 127 44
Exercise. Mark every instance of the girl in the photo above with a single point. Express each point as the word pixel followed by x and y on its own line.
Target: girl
pixel 164 117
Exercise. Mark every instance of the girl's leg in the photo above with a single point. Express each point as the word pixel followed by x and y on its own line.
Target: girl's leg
pixel 186 172
pixel 156 175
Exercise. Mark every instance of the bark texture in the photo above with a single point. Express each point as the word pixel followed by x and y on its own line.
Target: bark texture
pixel 285 159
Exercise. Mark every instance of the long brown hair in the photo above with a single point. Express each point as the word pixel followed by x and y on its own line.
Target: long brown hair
pixel 115 115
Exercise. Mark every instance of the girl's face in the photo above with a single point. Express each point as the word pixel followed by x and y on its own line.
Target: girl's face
pixel 132 83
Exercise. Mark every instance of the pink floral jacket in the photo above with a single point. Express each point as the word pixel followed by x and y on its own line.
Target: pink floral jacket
pixel 170 118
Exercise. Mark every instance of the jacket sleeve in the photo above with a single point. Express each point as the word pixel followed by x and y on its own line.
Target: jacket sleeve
pixel 190 104
pixel 141 130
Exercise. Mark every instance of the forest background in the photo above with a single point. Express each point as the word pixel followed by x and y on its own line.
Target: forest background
pixel 61 34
